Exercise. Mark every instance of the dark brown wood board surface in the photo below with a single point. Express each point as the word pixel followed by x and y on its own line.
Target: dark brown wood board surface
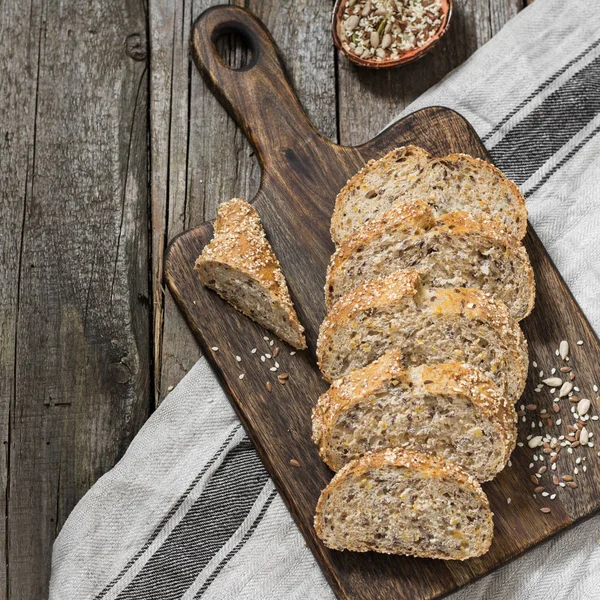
pixel 301 174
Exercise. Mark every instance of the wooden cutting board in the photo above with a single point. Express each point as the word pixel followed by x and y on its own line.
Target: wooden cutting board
pixel 301 174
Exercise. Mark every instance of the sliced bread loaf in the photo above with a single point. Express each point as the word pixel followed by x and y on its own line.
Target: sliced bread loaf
pixel 402 502
pixel 375 188
pixel 239 264
pixel 456 250
pixel 457 182
pixel 428 326
pixel 451 409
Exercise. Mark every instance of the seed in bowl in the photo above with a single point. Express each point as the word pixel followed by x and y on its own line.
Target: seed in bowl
pixel 386 29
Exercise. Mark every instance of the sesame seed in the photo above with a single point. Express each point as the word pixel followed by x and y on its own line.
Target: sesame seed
pixel 292 353
pixel 273 369
pixel 242 376
pixel 214 349
pixel 508 501
pixel 262 358
pixel 580 342
pixel 238 358
pixel 253 351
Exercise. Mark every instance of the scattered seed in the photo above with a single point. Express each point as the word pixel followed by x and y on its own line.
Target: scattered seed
pixel 533 479
pixel 563 349
pixel 545 510
pixel 565 369
pixel 294 463
pixel 262 358
pixel 238 358
pixel 538 489
pixel 567 478
pixel 584 436
pixel 241 376
pixel 253 351
pixel 532 407
pixel 508 501
pixel 554 459
pixel 566 387
pixel 275 352
pixel 273 369
pixel 283 375
pixel 583 406
pixel 292 353
pixel 572 485
pixel 214 349
pixel 556 408
pixel 555 480
pixel 542 470
pixel 534 442
pixel 552 382
pixel 580 342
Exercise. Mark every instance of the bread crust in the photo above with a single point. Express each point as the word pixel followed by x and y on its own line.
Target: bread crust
pixel 358 180
pixel 428 464
pixel 402 285
pixel 240 243
pixel 415 218
pixel 432 379
pixel 384 167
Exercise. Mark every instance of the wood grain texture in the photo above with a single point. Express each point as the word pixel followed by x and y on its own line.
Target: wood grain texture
pixel 302 173
pixel 74 308
pixel 199 157
pixel 369 101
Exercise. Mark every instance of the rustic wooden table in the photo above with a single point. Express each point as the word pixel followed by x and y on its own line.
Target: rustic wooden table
pixel 110 144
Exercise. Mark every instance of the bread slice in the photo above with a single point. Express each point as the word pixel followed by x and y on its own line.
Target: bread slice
pixel 375 188
pixel 428 325
pixel 402 502
pixel 451 409
pixel 456 250
pixel 457 182
pixel 239 264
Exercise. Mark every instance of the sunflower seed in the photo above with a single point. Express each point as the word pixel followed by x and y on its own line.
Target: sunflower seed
pixel 552 382
pixel 563 349
pixel 584 436
pixel 566 387
pixel 352 22
pixel 535 441
pixel 374 39
pixel 386 41
pixel 583 406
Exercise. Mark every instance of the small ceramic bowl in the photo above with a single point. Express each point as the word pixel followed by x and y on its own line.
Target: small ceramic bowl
pixel 404 59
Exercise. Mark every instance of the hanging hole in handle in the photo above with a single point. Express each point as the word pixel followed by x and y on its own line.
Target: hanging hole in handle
pixel 234 47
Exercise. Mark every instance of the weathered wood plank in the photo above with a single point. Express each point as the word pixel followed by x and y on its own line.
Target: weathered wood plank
pixel 369 99
pixel 199 158
pixel 20 27
pixel 77 307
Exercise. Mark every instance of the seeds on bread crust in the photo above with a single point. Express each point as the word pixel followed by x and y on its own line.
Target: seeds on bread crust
pixel 456 250
pixel 403 502
pixel 428 326
pixel 452 410
pixel 240 265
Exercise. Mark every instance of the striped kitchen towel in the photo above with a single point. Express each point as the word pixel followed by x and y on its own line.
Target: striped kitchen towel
pixel 190 512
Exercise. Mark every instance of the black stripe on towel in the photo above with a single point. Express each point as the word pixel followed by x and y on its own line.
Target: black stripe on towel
pixel 539 89
pixel 171 512
pixel 247 535
pixel 211 521
pixel 542 133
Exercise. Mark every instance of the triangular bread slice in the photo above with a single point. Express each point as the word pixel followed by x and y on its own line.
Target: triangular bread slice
pixel 456 250
pixel 428 326
pixel 450 409
pixel 457 182
pixel 375 188
pixel 402 502
pixel 240 265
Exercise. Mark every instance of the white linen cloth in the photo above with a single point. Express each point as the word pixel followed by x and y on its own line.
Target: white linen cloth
pixel 189 512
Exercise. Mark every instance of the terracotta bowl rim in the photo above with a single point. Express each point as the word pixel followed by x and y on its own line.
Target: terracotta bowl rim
pixel 406 58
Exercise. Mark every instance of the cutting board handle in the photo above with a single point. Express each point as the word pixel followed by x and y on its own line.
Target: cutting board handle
pixel 259 96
